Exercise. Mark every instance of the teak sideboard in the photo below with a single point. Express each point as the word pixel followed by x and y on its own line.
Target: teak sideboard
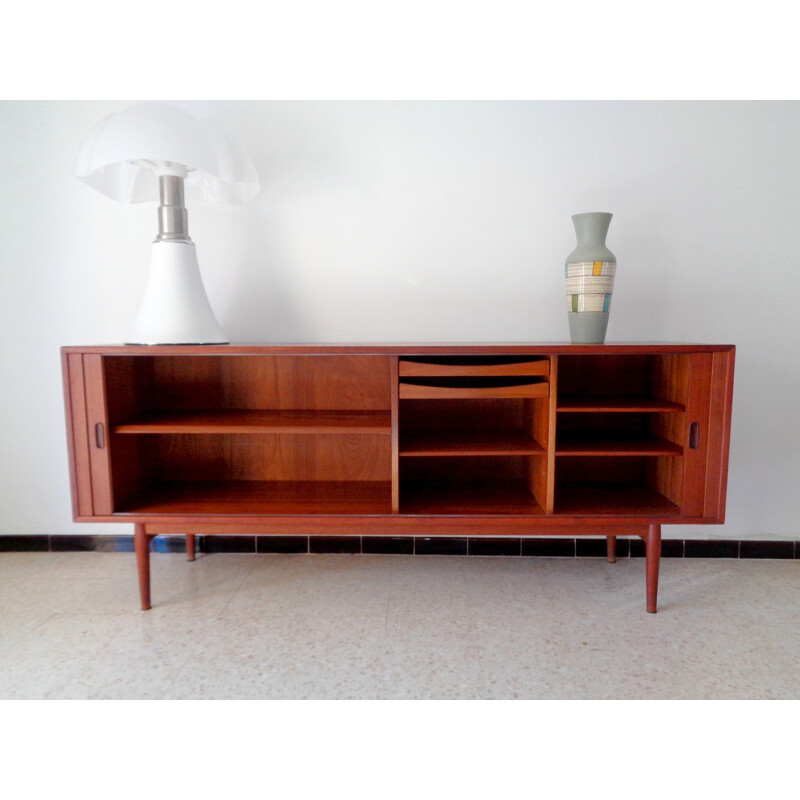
pixel 416 440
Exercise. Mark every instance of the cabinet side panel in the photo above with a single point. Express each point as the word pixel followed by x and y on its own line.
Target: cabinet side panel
pixel 719 428
pixel 694 458
pixel 77 440
pixel 395 412
pixel 98 434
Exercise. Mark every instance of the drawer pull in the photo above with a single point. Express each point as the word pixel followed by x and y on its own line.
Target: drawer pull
pixel 694 436
pixel 100 435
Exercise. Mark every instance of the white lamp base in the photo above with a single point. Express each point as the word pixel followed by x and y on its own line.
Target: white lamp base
pixel 175 308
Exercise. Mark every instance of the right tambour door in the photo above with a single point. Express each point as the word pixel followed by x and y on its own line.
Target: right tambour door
pixel 707 434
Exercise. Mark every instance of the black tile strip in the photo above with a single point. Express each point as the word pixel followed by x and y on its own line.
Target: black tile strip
pixel 115 544
pixel 170 544
pixel 334 544
pixel 711 548
pixel 229 544
pixel 766 549
pixel 440 546
pixel 560 546
pixel 433 545
pixel 598 548
pixel 9 544
pixel 388 545
pixel 281 544
pixel 672 548
pixel 494 547
pixel 78 542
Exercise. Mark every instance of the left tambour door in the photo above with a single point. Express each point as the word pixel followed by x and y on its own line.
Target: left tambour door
pixel 87 434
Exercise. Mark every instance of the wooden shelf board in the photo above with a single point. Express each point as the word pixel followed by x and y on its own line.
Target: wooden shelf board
pixel 302 498
pixel 610 499
pixel 469 443
pixel 615 444
pixel 617 404
pixel 511 497
pixel 246 421
pixel 477 366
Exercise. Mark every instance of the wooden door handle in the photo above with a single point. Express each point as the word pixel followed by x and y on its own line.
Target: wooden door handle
pixel 694 435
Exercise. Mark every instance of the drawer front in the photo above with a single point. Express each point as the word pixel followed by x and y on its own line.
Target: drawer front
pixel 473 366
pixel 434 390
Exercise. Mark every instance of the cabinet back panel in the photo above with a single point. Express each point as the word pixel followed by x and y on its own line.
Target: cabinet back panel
pixel 451 415
pixel 334 383
pixel 272 457
pixel 442 468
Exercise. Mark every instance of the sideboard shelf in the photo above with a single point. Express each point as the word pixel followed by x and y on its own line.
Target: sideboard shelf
pixel 248 421
pixel 422 440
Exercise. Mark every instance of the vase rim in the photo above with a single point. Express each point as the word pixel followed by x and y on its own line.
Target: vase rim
pixel 593 213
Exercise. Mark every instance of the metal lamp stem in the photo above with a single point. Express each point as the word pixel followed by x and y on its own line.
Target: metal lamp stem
pixel 173 219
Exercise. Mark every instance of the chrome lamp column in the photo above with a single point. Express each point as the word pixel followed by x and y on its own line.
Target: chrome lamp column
pixel 158 151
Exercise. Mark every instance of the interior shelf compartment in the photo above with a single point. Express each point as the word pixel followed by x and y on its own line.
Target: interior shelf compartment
pixel 252 421
pixel 609 434
pixel 262 497
pixel 605 485
pixel 618 383
pixel 468 443
pixel 579 443
pixel 462 387
pixel 460 497
pixel 611 499
pixel 474 365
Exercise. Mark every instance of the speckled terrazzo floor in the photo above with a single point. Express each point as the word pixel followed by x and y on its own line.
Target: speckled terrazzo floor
pixel 406 627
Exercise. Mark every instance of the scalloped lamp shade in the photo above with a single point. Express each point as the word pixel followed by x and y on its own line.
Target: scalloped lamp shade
pixel 113 153
pixel 157 151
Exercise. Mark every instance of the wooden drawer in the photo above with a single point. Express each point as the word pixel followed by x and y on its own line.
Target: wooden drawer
pixel 473 365
pixel 461 387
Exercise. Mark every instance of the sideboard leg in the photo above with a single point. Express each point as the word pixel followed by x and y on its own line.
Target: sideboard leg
pixel 611 548
pixel 653 557
pixel 141 543
pixel 190 547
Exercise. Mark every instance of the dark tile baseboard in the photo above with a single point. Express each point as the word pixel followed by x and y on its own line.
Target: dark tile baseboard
pixel 579 547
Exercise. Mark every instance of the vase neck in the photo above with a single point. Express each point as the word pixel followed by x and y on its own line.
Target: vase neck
pixel 591 228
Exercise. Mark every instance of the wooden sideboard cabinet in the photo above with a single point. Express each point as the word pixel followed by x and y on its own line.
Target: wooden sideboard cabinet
pixel 476 440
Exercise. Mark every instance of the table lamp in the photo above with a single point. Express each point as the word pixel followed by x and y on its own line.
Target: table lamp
pixel 158 151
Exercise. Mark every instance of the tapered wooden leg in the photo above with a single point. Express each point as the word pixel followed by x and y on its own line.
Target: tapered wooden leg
pixel 611 548
pixel 190 547
pixel 141 543
pixel 653 557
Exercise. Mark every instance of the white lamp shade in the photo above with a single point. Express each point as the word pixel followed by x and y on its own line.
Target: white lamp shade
pixel 218 170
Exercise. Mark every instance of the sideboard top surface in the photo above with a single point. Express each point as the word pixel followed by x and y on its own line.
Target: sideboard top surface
pixel 400 348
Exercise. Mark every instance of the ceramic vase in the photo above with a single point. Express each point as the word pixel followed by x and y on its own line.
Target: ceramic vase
pixel 590 270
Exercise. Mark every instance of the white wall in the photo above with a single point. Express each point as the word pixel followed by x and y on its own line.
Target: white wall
pixel 384 221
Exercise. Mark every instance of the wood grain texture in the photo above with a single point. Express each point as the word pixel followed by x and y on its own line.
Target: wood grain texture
pixel 719 425
pixel 77 435
pixel 395 422
pixel 213 498
pixel 469 443
pixel 473 366
pixel 96 415
pixel 248 421
pixel 698 408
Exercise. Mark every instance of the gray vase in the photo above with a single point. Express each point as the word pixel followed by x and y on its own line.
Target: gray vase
pixel 589 273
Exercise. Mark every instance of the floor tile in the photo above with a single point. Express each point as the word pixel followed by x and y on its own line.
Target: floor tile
pixel 294 626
